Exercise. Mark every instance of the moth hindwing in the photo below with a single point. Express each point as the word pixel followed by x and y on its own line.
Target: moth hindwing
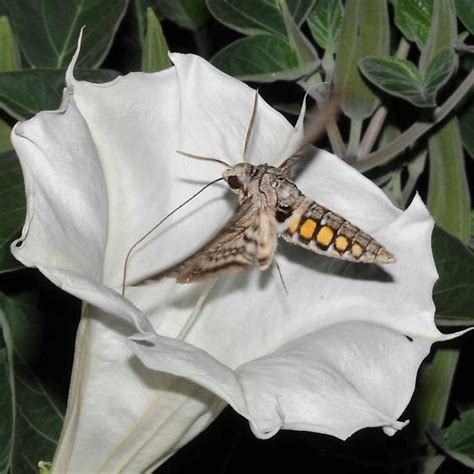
pixel 272 206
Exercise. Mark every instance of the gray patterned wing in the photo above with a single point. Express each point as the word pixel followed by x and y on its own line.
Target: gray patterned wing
pixel 249 238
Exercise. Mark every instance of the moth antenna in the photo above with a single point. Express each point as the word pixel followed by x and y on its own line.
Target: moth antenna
pixel 204 158
pixel 248 136
pixel 141 239
pixel 281 277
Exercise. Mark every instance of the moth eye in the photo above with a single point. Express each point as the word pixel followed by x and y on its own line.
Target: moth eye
pixel 234 182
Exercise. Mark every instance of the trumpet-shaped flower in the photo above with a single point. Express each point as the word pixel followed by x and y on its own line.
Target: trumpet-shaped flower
pixel 339 352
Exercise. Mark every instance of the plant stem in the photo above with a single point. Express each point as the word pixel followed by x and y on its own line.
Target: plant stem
pixel 378 119
pixel 335 139
pixel 409 136
pixel 372 132
pixel 354 140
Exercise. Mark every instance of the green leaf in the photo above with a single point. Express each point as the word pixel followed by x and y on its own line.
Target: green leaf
pixel 413 19
pixel 457 441
pixel 325 21
pixel 299 9
pixel 261 58
pixel 290 108
pixel 397 77
pixel 252 17
pixel 190 14
pixel 453 293
pixel 439 71
pixel 31 415
pixel 27 92
pixel 466 123
pixel 466 13
pixel 9 55
pixel 47 30
pixel 5 130
pixel 155 49
pixel 448 201
pixel 431 397
pixel 365 32
pixel 304 49
pixel 9 61
pixel 400 78
pixel 12 208
pixel 448 189
pixel 442 34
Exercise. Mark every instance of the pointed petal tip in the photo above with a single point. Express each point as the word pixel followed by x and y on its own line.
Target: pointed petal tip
pixel 70 69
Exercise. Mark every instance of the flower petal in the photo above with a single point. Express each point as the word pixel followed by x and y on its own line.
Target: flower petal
pixel 121 416
pixel 67 201
pixel 334 380
pixel 216 111
pixel 67 236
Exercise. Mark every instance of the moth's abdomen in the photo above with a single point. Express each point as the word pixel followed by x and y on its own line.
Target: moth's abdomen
pixel 323 231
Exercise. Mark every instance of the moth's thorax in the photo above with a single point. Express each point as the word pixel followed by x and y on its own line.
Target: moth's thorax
pixel 267 185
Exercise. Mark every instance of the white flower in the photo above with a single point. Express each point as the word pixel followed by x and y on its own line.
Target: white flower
pixel 338 353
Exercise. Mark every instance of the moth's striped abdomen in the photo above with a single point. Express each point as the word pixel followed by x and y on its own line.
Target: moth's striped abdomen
pixel 323 231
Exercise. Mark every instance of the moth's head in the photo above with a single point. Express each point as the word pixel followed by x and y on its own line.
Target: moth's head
pixel 239 176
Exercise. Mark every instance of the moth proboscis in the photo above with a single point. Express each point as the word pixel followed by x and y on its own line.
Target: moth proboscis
pixel 272 206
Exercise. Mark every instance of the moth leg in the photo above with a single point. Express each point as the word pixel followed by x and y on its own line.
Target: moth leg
pixel 280 274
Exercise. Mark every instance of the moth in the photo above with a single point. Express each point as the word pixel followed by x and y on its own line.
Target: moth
pixel 271 207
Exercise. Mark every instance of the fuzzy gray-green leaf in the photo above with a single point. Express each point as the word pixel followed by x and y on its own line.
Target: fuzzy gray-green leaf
pixel 453 293
pixel 413 19
pixel 448 189
pixel 365 32
pixel 401 78
pixel 397 77
pixel 47 30
pixel 262 58
pixel 12 208
pixel 457 440
pixel 9 61
pixel 466 123
pixel 155 48
pixel 465 11
pixel 325 21
pixel 9 54
pixel 252 17
pixel 27 92
pixel 304 49
pixel 440 69
pixel 31 414
pixel 190 14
